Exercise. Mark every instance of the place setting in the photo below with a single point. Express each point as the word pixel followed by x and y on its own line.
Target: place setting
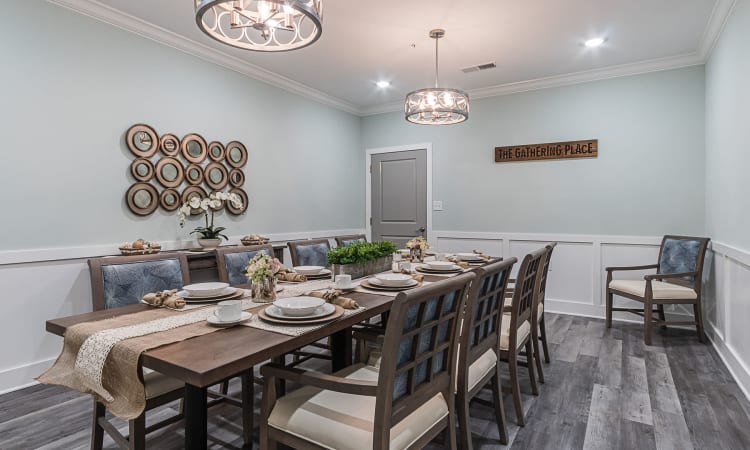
pixel 228 313
pixel 439 268
pixel 298 311
pixel 391 282
pixel 192 296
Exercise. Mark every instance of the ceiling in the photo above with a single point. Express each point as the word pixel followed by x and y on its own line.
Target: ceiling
pixel 535 43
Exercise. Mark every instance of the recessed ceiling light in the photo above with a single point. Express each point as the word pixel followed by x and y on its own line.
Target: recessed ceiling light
pixel 383 84
pixel 595 42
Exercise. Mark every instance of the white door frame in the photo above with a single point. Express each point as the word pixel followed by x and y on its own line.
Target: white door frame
pixel 368 180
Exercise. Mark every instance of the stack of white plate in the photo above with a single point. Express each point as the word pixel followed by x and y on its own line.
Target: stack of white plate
pixel 393 280
pixel 469 257
pixel 312 271
pixel 206 291
pixel 441 265
pixel 304 307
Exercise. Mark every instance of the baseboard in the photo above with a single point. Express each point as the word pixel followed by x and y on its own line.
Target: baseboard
pixel 19 377
pixel 737 369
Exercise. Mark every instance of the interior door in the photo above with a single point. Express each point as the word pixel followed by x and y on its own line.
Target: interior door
pixel 399 196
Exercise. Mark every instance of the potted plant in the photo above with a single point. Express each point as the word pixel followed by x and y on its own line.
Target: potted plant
pixel 209 236
pixel 362 258
pixel 261 271
pixel 417 248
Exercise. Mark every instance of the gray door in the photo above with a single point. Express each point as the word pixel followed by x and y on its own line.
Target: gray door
pixel 399 196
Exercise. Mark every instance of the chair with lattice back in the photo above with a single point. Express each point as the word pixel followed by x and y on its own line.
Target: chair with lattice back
pixel 404 403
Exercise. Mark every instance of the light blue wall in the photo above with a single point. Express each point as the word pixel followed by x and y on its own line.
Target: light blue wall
pixel 728 133
pixel 71 87
pixel 647 180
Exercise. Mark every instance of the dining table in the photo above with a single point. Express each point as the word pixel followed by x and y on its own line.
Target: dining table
pixel 209 359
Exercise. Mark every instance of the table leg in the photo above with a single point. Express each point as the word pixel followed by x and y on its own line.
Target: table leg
pixel 196 416
pixel 248 403
pixel 341 349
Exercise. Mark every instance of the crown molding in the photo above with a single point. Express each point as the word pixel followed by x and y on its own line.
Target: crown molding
pixel 127 22
pixel 719 17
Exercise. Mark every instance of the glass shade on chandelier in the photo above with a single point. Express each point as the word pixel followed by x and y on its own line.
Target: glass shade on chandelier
pixel 261 25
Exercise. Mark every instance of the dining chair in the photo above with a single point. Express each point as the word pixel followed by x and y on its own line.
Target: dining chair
pixel 678 281
pixel 515 333
pixel 309 252
pixel 232 261
pixel 479 347
pixel 538 328
pixel 342 241
pixel 121 281
pixel 402 404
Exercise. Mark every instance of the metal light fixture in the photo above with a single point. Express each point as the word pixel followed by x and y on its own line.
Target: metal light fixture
pixel 437 106
pixel 261 25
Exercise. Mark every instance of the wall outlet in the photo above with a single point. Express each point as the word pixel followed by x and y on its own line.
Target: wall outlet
pixel 437 205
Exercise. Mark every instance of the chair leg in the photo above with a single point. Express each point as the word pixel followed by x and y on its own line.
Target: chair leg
pixel 497 400
pixel 224 387
pixel 451 431
pixel 662 316
pixel 609 308
pixel 648 311
pixel 97 432
pixel 464 420
pixel 248 403
pixel 516 388
pixel 543 334
pixel 530 364
pixel 535 345
pixel 137 437
pixel 698 314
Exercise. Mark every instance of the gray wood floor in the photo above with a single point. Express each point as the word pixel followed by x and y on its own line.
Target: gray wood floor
pixel 604 390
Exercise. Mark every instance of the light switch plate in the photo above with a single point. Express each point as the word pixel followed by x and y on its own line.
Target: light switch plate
pixel 437 205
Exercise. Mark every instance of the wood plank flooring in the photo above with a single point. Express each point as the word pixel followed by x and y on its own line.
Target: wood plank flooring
pixel 604 390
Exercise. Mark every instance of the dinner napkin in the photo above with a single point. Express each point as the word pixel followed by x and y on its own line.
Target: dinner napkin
pixel 290 276
pixel 334 296
pixel 417 276
pixel 483 255
pixel 168 298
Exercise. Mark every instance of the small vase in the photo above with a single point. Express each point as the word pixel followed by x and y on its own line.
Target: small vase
pixel 209 244
pixel 416 254
pixel 264 291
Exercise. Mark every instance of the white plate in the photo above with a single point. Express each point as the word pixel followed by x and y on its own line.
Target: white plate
pixel 322 311
pixel 299 306
pixel 205 289
pixel 442 269
pixel 309 270
pixel 393 279
pixel 440 265
pixel 377 282
pixel 214 320
pixel 224 292
pixel 468 256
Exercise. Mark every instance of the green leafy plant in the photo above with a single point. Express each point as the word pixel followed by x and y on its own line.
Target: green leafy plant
pixel 360 252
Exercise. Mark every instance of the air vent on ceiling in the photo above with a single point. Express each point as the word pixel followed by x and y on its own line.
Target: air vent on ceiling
pixel 478 67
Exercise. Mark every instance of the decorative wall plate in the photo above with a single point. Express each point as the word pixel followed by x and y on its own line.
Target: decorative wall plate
pixel 142 140
pixel 170 144
pixel 216 151
pixel 142 199
pixel 194 148
pixel 236 154
pixel 216 176
pixel 192 191
pixel 194 174
pixel 169 199
pixel 236 177
pixel 169 172
pixel 142 169
pixel 243 196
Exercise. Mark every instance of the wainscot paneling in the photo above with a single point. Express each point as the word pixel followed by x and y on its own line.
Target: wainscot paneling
pixel 41 284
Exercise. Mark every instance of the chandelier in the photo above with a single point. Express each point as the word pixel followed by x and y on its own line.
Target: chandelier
pixel 437 106
pixel 261 25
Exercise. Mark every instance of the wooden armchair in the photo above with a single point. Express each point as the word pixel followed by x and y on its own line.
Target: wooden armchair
pixel 479 346
pixel 678 280
pixel 342 241
pixel 538 328
pixel 404 403
pixel 309 252
pixel 231 262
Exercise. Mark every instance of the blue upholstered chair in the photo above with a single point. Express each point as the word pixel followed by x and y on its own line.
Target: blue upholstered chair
pixel 678 280
pixel 310 252
pixel 231 262
pixel 342 241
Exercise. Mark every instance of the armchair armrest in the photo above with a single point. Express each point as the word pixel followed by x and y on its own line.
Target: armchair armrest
pixel 648 266
pixel 660 276
pixel 319 380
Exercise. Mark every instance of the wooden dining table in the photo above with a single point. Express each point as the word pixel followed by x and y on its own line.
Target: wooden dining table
pixel 209 359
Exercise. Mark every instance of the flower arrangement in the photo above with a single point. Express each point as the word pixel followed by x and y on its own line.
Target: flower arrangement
pixel 208 206
pixel 418 242
pixel 262 266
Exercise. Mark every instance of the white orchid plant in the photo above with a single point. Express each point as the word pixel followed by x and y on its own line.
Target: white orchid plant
pixel 208 206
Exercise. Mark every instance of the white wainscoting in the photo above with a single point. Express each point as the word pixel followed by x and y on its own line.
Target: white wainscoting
pixel 42 284
pixel 576 283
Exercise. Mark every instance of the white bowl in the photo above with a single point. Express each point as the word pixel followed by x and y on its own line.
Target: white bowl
pixel 440 265
pixel 205 289
pixel 393 279
pixel 309 270
pixel 299 306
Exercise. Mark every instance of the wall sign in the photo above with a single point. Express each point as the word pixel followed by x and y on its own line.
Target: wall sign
pixel 553 150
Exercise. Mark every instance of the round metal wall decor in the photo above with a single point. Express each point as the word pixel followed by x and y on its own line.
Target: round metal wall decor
pixel 169 199
pixel 169 172
pixel 142 169
pixel 193 191
pixel 142 199
pixel 237 178
pixel 170 144
pixel 243 196
pixel 236 154
pixel 194 174
pixel 142 140
pixel 216 176
pixel 194 148
pixel 216 151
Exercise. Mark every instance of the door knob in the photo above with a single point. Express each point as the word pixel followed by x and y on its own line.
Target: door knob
pixel 421 230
